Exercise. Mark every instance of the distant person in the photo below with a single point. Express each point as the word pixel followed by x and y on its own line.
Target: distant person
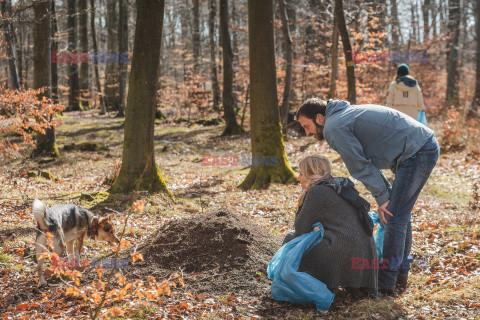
pixel 370 138
pixel 347 255
pixel 404 94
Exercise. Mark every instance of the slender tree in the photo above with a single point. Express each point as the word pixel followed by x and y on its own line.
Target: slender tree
pixel 452 52
pixel 476 99
pixel 12 66
pixel 73 97
pixel 84 63
pixel 196 35
pixel 395 25
pixel 269 160
pixel 45 142
pixel 287 89
pixel 103 108
pixel 334 75
pixel 111 70
pixel 231 125
pixel 54 41
pixel 347 50
pixel 184 18
pixel 426 9
pixel 139 170
pixel 122 40
pixel 213 48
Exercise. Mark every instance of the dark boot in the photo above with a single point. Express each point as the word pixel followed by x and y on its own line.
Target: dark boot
pixel 384 292
pixel 402 281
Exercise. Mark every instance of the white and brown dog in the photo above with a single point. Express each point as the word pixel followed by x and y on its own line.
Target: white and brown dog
pixel 68 224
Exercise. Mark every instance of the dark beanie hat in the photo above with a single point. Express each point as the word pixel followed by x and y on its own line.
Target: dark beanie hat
pixel 403 70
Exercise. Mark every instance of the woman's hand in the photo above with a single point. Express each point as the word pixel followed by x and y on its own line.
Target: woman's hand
pixel 382 210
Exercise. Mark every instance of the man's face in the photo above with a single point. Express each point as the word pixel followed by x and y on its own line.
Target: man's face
pixel 311 127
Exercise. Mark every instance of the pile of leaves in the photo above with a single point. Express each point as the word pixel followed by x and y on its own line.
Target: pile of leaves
pixel 221 251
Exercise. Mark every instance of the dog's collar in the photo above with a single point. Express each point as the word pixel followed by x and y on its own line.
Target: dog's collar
pixel 93 230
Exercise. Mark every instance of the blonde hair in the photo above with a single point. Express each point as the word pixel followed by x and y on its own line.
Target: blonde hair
pixel 313 169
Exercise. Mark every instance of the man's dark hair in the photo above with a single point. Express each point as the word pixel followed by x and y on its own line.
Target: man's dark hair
pixel 311 108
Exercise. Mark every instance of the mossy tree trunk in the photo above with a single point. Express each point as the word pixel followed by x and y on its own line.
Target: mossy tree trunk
pixel 269 160
pixel 73 81
pixel 232 127
pixel 84 65
pixel 139 170
pixel 42 73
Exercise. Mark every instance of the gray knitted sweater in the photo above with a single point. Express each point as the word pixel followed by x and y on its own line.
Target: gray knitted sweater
pixel 339 260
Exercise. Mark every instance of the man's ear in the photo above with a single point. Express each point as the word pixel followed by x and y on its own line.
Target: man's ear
pixel 320 119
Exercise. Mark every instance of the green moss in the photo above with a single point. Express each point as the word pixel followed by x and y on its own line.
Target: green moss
pixel 86 146
pixel 269 143
pixel 47 175
pixel 5 259
pixel 152 181
pixel 233 130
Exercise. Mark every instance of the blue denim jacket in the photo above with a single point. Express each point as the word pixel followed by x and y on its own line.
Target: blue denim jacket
pixel 370 138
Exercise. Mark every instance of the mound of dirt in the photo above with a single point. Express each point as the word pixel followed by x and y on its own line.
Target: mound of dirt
pixel 218 252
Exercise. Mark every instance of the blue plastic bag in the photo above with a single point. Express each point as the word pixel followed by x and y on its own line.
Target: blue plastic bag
pixel 291 285
pixel 422 118
pixel 379 235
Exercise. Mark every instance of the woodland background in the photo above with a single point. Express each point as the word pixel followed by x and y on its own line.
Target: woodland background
pixel 95 113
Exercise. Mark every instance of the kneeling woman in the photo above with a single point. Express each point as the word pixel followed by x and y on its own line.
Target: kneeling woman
pixel 347 254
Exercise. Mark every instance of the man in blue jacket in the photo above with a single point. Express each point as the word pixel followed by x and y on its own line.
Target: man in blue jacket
pixel 370 138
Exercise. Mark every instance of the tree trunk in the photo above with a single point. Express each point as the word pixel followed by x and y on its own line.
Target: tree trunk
pixel 54 66
pixel 395 25
pixel 45 142
pixel 184 17
pixel 334 75
pixel 6 13
pixel 452 52
pixel 426 19
pixel 476 99
pixel 122 39
pixel 196 35
pixel 269 163
pixel 139 170
pixel 287 89
pixel 347 49
pixel 231 125
pixel 73 97
pixel 19 38
pixel 111 71
pixel 235 22
pixel 84 63
pixel 103 108
pixel 213 59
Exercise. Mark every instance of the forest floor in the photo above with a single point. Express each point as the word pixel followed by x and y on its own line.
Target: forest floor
pixel 205 252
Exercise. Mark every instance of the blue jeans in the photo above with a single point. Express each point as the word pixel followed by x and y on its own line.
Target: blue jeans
pixel 411 176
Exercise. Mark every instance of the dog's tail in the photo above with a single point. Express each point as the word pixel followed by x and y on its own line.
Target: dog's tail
pixel 40 213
